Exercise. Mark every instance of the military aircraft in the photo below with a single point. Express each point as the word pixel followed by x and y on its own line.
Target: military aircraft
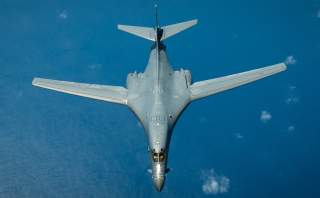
pixel 158 95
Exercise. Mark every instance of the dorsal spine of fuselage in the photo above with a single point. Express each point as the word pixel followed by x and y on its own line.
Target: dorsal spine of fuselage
pixel 159 32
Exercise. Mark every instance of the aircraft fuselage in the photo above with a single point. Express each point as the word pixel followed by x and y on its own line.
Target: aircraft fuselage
pixel 157 97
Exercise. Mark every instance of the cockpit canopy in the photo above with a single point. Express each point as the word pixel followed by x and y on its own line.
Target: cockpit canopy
pixel 158 157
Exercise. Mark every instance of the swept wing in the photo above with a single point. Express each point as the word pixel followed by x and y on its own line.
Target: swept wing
pixel 114 94
pixel 206 88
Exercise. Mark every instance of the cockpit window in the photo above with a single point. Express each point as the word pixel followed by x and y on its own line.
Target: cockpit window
pixel 158 157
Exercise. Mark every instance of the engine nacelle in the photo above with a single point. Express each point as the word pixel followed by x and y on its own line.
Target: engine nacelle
pixel 188 77
pixel 133 80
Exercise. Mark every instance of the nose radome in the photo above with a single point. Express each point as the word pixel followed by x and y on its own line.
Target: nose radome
pixel 158 183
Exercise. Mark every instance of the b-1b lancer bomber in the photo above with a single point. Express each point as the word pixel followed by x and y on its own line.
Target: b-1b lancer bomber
pixel 160 94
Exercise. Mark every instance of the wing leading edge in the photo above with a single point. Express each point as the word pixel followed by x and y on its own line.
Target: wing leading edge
pixel 206 88
pixel 114 94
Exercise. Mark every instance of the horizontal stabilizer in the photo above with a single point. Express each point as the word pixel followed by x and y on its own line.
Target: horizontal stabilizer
pixel 209 87
pixel 107 93
pixel 171 30
pixel 144 32
pixel 151 33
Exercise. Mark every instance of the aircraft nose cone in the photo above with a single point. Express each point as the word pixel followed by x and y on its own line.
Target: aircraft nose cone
pixel 158 175
pixel 158 183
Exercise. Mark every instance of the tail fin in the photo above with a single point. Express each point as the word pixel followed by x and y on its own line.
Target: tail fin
pixel 151 34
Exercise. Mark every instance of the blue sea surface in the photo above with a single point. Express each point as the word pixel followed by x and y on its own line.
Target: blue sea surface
pixel 259 140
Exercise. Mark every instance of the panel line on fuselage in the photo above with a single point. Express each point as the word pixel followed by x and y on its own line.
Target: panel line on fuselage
pixel 158 66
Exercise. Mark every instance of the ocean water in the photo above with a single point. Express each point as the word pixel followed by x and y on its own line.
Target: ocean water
pixel 259 140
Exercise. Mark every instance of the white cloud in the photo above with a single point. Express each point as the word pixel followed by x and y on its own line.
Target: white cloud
pixel 202 120
pixel 235 36
pixel 265 116
pixel 292 100
pixel 238 135
pixel 290 60
pixel 213 183
pixel 63 14
pixel 94 66
pixel 291 128
pixel 292 87
pixel 19 94
pixel 139 124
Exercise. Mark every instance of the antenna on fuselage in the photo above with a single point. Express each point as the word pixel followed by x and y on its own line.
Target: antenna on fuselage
pixel 158 29
pixel 156 13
